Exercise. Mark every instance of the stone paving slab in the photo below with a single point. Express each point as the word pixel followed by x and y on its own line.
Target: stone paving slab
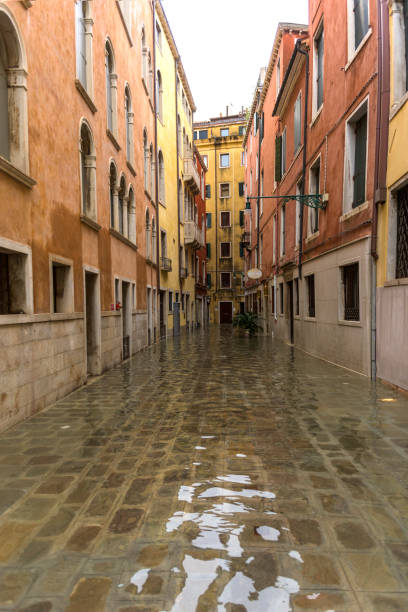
pixel 209 473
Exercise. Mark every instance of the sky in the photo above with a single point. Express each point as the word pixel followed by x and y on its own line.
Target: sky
pixel 224 43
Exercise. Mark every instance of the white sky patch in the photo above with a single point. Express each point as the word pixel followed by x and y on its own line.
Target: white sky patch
pixel 139 579
pixel 268 533
pixel 295 555
pixel 200 575
pixel 186 493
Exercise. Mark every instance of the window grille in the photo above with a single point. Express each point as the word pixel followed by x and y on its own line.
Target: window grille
pixel 402 234
pixel 351 293
pixel 311 295
pixel 360 161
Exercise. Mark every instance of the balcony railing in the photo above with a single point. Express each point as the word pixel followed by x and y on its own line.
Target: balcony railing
pixel 183 273
pixel 191 175
pixel 165 264
pixel 193 235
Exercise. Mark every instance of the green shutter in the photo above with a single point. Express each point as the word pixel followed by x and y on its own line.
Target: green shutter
pixel 241 189
pixel 241 218
pixel 278 158
pixel 209 281
pixel 241 249
pixel 208 219
pixel 208 245
pixel 208 191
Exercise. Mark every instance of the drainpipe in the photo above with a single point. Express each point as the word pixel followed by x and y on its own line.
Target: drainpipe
pixel 305 118
pixel 381 153
pixel 156 184
pixel 216 219
pixel 259 189
pixel 178 175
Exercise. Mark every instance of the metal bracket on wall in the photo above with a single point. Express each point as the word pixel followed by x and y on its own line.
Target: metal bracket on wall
pixel 313 200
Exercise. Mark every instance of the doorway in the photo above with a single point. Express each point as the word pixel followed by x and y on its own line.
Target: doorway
pixel 92 324
pixel 291 313
pixel 225 312
pixel 162 313
pixel 149 316
pixel 126 320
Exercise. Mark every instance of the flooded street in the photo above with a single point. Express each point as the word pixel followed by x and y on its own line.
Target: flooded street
pixel 211 473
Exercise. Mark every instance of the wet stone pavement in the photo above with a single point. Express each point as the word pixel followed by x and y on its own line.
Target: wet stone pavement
pixel 209 473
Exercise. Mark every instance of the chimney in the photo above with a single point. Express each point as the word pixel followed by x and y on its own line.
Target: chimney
pixel 226 113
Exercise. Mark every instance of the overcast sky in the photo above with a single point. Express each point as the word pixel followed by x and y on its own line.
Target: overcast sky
pixel 224 43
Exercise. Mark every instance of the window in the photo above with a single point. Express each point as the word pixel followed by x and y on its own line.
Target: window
pixel 256 167
pixel 13 95
pixel 170 301
pixel 117 291
pixel 278 159
pixel 208 281
pixel 351 292
pixel 121 201
pixel 208 219
pixel 180 200
pixel 225 280
pixel 310 283
pixel 224 160
pixel 225 218
pixel 208 191
pixel 297 233
pixel 261 192
pixel 145 52
pixel 62 295
pixel 163 243
pixel 356 159
pixel 241 189
pixel 153 251
pixel 274 230
pixel 202 134
pixel 83 26
pixel 224 132
pixel 131 214
pixel 205 160
pixel 151 167
pixel 129 126
pixel 224 190
pixel 148 240
pixel 283 230
pixel 158 35
pixel 241 130
pixel 314 187
pixel 15 272
pixel 179 141
pixel 111 89
pixel 359 22
pixel 283 169
pixel 297 301
pixel 113 195
pixel 225 249
pixel 318 59
pixel 162 186
pixel 402 234
pixel 124 6
pixel 208 248
pixel 146 161
pixel 281 298
pixel 260 250
pixel 159 95
pixel 399 18
pixel 149 75
pixel 243 157
pixel 298 122
pixel 88 172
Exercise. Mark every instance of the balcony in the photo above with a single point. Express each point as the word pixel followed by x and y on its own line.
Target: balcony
pixel 193 236
pixel 183 273
pixel 165 264
pixel 191 176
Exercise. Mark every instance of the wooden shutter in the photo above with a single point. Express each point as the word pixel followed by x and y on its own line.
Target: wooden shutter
pixel 241 189
pixel 278 158
pixel 241 218
pixel 209 281
pixel 208 219
pixel 208 191
pixel 360 161
pixel 241 249
pixel 208 250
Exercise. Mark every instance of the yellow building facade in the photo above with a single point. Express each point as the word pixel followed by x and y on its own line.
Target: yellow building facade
pixel 177 183
pixel 219 142
pixel 392 242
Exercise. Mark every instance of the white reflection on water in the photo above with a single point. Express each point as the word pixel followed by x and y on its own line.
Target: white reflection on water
pixel 139 579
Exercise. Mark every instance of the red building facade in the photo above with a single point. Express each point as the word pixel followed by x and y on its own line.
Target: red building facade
pixel 318 137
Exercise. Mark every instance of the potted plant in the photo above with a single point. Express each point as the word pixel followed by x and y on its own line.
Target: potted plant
pixel 247 322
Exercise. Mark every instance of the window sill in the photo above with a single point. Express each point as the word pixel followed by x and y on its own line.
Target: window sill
pixel 16 174
pixel 354 211
pixel 85 95
pixel 131 168
pixel 90 223
pixel 145 87
pixel 162 204
pixel 122 238
pixel 396 282
pixel 125 25
pixel 316 116
pixel 357 51
pixel 397 106
pixel 150 197
pixel 309 319
pixel 22 319
pixel 312 237
pixel 112 138
pixel 349 323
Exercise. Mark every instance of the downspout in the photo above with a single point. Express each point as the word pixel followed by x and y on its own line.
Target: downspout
pixel 178 177
pixel 156 184
pixel 216 218
pixel 259 189
pixel 305 118
pixel 381 153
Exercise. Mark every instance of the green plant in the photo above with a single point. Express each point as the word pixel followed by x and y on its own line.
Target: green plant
pixel 247 321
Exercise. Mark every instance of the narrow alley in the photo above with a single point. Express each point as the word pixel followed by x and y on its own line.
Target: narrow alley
pixel 211 472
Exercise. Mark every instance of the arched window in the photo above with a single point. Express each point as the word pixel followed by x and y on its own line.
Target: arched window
pixel 83 26
pixel 186 206
pixel 111 89
pixel 162 188
pixel 131 216
pixel 159 95
pixel 122 193
pixel 153 240
pixel 180 199
pixel 129 125
pixel 148 245
pixel 13 94
pixel 88 172
pixel 144 57
pixel 150 74
pixel 184 143
pixel 113 192
pixel 151 171
pixel 145 161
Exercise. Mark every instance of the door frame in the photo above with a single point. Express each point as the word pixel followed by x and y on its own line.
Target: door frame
pixel 98 327
pixel 219 309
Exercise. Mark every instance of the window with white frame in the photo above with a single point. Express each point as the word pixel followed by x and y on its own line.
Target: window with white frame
pixel 298 122
pixel 224 190
pixel 131 210
pixel 15 278
pixel 355 165
pixel 351 298
pixel 224 132
pixel 159 95
pixel 243 158
pixel 83 27
pixel 126 12
pixel 129 126
pixel 13 94
pixel 297 226
pixel 224 160
pixel 148 239
pixel 399 21
pixel 122 204
pixel 62 286
pixel 225 250
pixel 225 218
pixel 397 260
pixel 205 160
pixel 274 229
pixel 88 172
pixel 145 52
pixel 225 280
pixel 146 161
pixel 358 23
pixel 318 69
pixel 162 185
pixel 262 192
pixel 158 35
pixel 111 90
pixel 314 188
pixel 113 195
